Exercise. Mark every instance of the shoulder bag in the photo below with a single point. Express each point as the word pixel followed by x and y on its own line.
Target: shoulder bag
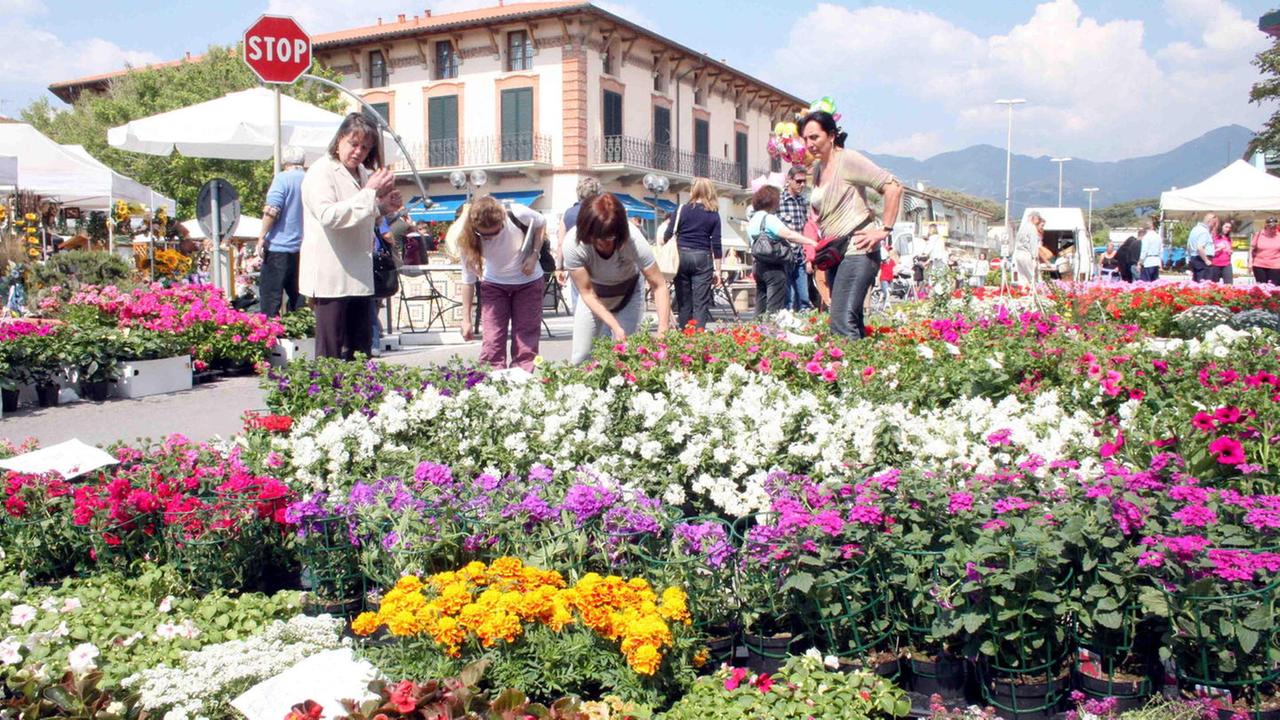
pixel 667 254
pixel 386 279
pixel 831 250
pixel 764 247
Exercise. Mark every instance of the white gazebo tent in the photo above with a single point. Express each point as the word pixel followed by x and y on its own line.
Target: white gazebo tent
pixel 249 228
pixel 71 177
pixel 236 126
pixel 1237 189
pixel 8 171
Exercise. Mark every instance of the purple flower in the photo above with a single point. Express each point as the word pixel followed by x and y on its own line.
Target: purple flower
pixel 390 540
pixel 1196 516
pixel 1000 437
pixel 432 473
pixel 1010 504
pixel 588 501
pixel 708 539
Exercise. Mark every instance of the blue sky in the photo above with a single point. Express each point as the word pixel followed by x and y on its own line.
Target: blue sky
pixel 1104 80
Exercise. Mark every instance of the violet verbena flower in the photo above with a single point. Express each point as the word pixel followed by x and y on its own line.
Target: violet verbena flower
pixel 707 539
pixel 433 474
pixel 587 502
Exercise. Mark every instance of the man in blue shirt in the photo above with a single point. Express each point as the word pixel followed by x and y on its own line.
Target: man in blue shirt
pixel 281 236
pixel 1200 247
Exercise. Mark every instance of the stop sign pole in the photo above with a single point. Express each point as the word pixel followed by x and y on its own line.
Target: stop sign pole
pixel 278 51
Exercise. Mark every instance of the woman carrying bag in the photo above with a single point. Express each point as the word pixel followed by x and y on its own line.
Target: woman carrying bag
pixel 771 242
pixel 697 233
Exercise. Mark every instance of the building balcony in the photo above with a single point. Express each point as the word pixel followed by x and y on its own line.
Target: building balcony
pixel 636 155
pixel 518 152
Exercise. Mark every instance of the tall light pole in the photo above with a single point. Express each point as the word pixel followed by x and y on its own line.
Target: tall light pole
pixel 1089 224
pixel 1060 162
pixel 1008 168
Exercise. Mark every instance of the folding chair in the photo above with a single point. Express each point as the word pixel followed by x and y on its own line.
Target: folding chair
pixel 438 304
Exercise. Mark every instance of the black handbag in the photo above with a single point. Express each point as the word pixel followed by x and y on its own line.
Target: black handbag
pixel 765 248
pixel 386 278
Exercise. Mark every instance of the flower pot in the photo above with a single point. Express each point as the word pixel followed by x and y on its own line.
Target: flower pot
pixel 288 350
pixel 720 647
pixel 1129 694
pixel 10 399
pixel 943 674
pixel 766 654
pixel 97 391
pixel 47 394
pixel 1026 699
pixel 139 378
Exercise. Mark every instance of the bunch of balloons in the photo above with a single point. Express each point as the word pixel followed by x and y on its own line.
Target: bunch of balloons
pixel 785 141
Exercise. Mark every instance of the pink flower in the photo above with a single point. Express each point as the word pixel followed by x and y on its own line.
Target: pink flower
pixel 1151 558
pixel 995 525
pixel 1203 422
pixel 813 367
pixel 736 676
pixel 1228 451
pixel 1111 448
pixel 959 502
pixel 1196 516
pixel 764 683
pixel 1227 415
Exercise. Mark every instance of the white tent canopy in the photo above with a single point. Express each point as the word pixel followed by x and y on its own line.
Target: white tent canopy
pixel 71 177
pixel 248 228
pixel 8 171
pixel 1238 189
pixel 236 126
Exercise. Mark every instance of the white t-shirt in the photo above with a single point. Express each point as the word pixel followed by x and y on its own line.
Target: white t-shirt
pixel 504 253
pixel 610 275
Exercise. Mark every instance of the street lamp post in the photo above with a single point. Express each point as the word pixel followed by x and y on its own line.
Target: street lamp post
pixel 468 182
pixel 656 184
pixel 1089 224
pixel 1060 161
pixel 1008 168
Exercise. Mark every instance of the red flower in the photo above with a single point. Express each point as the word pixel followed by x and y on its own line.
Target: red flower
pixel 309 710
pixel 764 683
pixel 403 697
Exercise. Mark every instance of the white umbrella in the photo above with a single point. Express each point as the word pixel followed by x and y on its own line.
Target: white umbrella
pixel 236 126
pixel 248 228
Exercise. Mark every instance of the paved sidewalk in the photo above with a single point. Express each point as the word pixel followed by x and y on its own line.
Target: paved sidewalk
pixel 211 410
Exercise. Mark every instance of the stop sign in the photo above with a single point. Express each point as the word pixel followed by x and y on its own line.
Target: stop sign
pixel 277 49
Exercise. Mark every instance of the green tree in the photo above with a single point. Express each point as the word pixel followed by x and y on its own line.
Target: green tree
pixel 1125 214
pixel 144 92
pixel 1267 90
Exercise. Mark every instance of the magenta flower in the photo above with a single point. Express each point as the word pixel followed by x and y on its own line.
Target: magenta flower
pixel 1227 450
pixel 959 502
pixel 1203 422
pixel 1229 414
pixel 1196 516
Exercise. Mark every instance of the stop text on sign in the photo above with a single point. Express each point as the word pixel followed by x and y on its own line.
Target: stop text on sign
pixel 274 49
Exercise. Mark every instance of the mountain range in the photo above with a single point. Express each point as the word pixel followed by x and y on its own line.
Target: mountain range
pixel 979 170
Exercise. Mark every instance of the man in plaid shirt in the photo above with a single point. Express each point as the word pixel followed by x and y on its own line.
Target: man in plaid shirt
pixel 793 210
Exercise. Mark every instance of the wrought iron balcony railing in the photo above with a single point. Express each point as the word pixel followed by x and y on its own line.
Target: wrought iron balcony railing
pixel 481 151
pixel 637 152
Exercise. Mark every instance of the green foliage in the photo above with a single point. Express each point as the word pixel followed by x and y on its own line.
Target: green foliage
pixel 1125 214
pixel 300 323
pixel 74 697
pixel 802 690
pixel 69 270
pixel 1267 90
pixel 149 91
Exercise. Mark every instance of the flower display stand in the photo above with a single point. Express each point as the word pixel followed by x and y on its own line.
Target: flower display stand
pixel 288 350
pixel 139 378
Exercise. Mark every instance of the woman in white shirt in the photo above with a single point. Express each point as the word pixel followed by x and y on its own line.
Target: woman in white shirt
pixel 610 262
pixel 502 256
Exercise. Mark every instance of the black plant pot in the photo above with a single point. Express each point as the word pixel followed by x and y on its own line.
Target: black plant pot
pixel 97 391
pixel 943 674
pixel 10 400
pixel 47 395
pixel 1027 701
pixel 766 654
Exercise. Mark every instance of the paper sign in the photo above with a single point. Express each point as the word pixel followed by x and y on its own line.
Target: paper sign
pixel 71 458
pixel 327 678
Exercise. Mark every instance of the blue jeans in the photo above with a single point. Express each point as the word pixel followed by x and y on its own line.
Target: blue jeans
pixel 856 275
pixel 798 288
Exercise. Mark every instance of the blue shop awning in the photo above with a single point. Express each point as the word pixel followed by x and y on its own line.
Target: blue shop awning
pixel 443 210
pixel 634 207
pixel 666 206
pixel 520 197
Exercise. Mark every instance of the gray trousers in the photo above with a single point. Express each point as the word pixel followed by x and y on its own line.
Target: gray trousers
pixel 587 327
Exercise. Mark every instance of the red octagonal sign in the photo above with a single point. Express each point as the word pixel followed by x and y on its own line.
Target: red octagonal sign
pixel 277 49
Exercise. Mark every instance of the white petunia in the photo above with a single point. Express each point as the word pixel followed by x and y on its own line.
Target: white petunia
pixel 166 604
pixel 10 652
pixel 22 615
pixel 71 605
pixel 81 658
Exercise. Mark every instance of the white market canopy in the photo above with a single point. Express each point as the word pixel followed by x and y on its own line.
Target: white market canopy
pixel 236 126
pixel 1238 189
pixel 8 171
pixel 249 228
pixel 72 177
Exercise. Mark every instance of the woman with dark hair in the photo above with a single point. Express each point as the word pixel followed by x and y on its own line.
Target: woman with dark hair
pixel 1222 253
pixel 773 274
pixel 606 257
pixel 343 196
pixel 840 200
pixel 499 248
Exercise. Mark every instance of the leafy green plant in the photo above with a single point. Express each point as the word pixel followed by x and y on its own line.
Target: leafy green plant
pixel 804 689
pixel 63 273
pixel 73 696
pixel 300 323
pixel 93 353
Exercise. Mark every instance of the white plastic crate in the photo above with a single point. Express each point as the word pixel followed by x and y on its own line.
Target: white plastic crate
pixel 288 350
pixel 139 378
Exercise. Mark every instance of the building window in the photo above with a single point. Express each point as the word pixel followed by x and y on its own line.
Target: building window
pixel 607 62
pixel 519 51
pixel 442 131
pixel 701 147
pixel 662 156
pixel 740 152
pixel 446 61
pixel 517 125
pixel 698 96
pixel 612 111
pixel 659 81
pixel 377 69
pixel 740 112
pixel 384 112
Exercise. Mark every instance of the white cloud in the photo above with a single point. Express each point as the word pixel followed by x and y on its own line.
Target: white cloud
pixel 917 145
pixel 10 8
pixel 1093 89
pixel 35 57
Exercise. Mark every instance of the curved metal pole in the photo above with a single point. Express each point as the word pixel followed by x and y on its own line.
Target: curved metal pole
pixel 382 124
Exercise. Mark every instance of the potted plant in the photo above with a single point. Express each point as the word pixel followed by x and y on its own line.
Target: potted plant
pixel 298 339
pixel 151 362
pixel 93 355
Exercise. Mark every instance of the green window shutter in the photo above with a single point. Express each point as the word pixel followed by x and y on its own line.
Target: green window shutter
pixel 612 113
pixel 442 131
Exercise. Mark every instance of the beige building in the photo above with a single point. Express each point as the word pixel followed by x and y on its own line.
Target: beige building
pixel 540 94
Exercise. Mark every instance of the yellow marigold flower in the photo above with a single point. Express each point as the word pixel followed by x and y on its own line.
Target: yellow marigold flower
pixel 701 657
pixel 452 598
pixel 675 605
pixel 645 660
pixel 443 579
pixel 449 633
pixel 409 583
pixel 475 572
pixel 403 624
pixel 365 623
pixel 506 567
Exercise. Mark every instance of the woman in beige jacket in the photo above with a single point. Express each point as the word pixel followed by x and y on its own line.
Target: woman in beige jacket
pixel 343 195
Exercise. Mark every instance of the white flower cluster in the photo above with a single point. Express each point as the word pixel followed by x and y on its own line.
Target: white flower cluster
pixel 208 679
pixel 1218 342
pixel 713 437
